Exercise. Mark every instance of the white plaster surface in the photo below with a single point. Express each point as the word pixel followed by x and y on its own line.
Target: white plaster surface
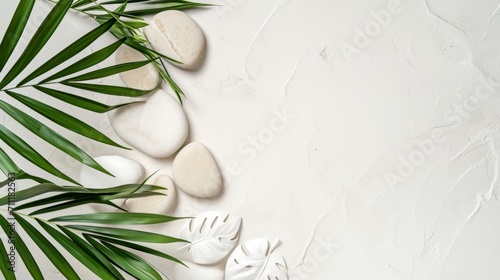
pixel 363 155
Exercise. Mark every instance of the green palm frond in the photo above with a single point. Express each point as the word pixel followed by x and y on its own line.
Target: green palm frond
pixel 7 166
pixel 128 20
pixel 91 245
pixel 38 128
pixel 123 23
pixel 91 239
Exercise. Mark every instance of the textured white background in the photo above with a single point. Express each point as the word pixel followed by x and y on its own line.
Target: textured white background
pixel 359 109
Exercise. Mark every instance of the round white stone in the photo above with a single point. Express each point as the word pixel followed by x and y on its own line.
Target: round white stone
pixel 143 78
pixel 196 172
pixel 178 36
pixel 157 127
pixel 126 171
pixel 154 204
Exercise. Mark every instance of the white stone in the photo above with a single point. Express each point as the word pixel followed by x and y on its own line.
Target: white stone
pixel 196 172
pixel 126 171
pixel 157 127
pixel 145 77
pixel 178 36
pixel 154 204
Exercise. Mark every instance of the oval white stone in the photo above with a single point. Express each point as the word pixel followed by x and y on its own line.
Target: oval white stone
pixel 158 127
pixel 178 36
pixel 145 77
pixel 126 171
pixel 196 172
pixel 154 204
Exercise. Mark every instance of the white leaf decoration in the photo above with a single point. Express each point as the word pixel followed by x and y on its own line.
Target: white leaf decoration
pixel 212 236
pixel 254 260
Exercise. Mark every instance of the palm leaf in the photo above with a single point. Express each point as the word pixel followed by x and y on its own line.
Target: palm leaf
pixel 123 1
pixel 130 265
pixel 23 251
pixel 73 203
pixel 75 196
pixel 127 189
pixel 98 253
pixel 86 62
pixel 136 262
pixel 141 1
pixel 108 197
pixel 50 200
pixel 111 90
pixel 51 137
pixel 108 71
pixel 165 6
pixel 154 6
pixel 82 102
pixel 70 51
pixel 139 248
pixel 109 13
pixel 4 183
pixel 79 253
pixel 122 31
pixel 7 166
pixel 44 188
pixel 40 180
pixel 42 35
pixel 160 66
pixel 63 119
pixel 132 23
pixel 7 271
pixel 22 148
pixel 128 234
pixel 150 53
pixel 93 251
pixel 75 199
pixel 48 249
pixel 117 218
pixel 15 30
pixel 80 3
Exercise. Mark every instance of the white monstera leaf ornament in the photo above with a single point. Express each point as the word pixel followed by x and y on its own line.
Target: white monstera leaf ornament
pixel 255 260
pixel 212 235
